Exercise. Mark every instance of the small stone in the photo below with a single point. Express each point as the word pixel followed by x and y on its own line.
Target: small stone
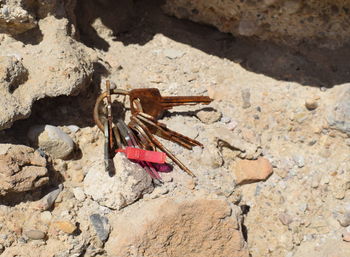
pixel 48 200
pixel 79 194
pixel 52 140
pixel 101 226
pixel 209 117
pixel 225 120
pixel 299 160
pixel 77 176
pixel 173 53
pixel 285 218
pixel 73 128
pixel 35 234
pixel 249 171
pixel 46 217
pixel 311 104
pixel 344 219
pixel 65 226
pixel 346 236
pixel 339 113
pixel 119 191
pixel 246 98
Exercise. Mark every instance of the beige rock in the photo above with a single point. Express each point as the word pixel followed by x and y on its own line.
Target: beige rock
pixel 22 169
pixel 289 22
pixel 35 234
pixel 65 226
pixel 178 227
pixel 346 236
pixel 249 171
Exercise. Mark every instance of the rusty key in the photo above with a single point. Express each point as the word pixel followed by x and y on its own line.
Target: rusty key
pixel 154 104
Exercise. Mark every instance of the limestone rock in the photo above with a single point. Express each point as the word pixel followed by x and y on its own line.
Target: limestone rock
pixel 339 113
pixel 128 184
pixel 14 18
pixel 52 140
pixel 178 227
pixel 21 169
pixel 249 171
pixel 287 21
pixel 55 65
pixel 65 226
pixel 209 117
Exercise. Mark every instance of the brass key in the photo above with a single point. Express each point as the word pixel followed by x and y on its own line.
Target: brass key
pixel 154 104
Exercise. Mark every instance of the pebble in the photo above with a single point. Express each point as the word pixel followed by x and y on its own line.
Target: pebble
pixel 101 226
pixel 46 217
pixel 52 140
pixel 225 119
pixel 209 117
pixel 79 194
pixel 35 234
pixel 249 171
pixel 48 200
pixel 311 104
pixel 299 160
pixel 73 128
pixel 346 236
pixel 65 226
pixel 285 218
pixel 344 219
pixel 246 98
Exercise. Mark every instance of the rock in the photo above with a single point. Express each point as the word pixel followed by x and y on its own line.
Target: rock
pixel 48 200
pixel 246 98
pixel 346 236
pixel 65 65
pixel 299 160
pixel 79 194
pixel 311 104
pixel 124 188
pixel 211 157
pixel 285 219
pixel 15 19
pixel 283 22
pixel 65 226
pixel 101 226
pixel 52 140
pixel 209 117
pixel 35 234
pixel 339 112
pixel 158 229
pixel 21 169
pixel 344 219
pixel 249 171
pixel 173 53
pixel 46 217
pixel 227 138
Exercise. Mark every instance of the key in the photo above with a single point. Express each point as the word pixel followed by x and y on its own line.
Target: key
pixel 152 103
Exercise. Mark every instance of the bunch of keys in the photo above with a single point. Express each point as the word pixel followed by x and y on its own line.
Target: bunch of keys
pixel 137 139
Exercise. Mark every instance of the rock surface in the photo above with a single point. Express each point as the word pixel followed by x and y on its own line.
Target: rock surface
pixel 121 190
pixel 339 111
pixel 21 169
pixel 249 171
pixel 287 21
pixel 50 64
pixel 157 229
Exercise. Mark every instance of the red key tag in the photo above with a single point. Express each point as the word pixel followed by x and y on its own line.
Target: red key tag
pixel 143 155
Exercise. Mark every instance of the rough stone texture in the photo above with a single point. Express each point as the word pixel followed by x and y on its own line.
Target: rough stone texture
pixel 249 171
pixel 21 169
pixel 178 227
pixel 288 21
pixel 14 18
pixel 52 140
pixel 45 62
pixel 339 112
pixel 128 184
